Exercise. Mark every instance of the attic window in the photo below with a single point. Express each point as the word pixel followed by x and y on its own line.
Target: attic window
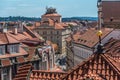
pixel 85 41
pixel 78 39
pixel 81 40
pixel 111 19
pixel 13 48
pixel 2 50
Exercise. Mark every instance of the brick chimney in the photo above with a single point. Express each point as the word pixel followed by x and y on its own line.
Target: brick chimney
pixel 15 31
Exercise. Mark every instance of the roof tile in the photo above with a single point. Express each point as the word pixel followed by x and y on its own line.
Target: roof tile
pixel 5 62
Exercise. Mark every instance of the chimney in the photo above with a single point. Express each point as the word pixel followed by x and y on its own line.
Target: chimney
pixel 20 27
pixel 4 30
pixel 15 31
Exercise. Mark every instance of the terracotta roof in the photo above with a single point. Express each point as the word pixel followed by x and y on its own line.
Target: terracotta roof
pixel 5 62
pixel 20 59
pixel 112 47
pixel 98 67
pixel 37 23
pixel 71 23
pixel 31 53
pixel 93 24
pixel 49 15
pixel 51 23
pixel 76 36
pixel 31 33
pixel 7 39
pixel 55 46
pixel 63 24
pixel 90 38
pixel 23 72
pixel 48 42
pixel 46 75
pixel 20 36
pixel 26 38
pixel 59 26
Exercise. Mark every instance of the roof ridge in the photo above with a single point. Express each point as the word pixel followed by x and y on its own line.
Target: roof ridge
pixel 6 37
pixel 47 71
pixel 30 31
pixel 111 63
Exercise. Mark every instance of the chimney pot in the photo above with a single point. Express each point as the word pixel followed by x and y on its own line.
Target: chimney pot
pixel 15 31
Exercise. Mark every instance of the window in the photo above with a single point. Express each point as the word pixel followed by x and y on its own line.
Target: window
pixel 51 32
pixel 2 50
pixel 57 37
pixel 44 57
pixel 5 73
pixel 44 32
pixel 44 65
pixel 13 48
pixel 38 32
pixel 45 37
pixel 51 37
pixel 57 32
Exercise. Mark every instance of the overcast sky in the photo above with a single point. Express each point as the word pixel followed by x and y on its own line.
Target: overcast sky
pixel 35 8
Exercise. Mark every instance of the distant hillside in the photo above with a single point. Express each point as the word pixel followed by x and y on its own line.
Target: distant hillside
pixel 19 18
pixel 80 19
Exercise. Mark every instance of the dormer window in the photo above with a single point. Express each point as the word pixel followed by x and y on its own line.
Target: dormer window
pixel 14 48
pixel 111 19
pixel 2 50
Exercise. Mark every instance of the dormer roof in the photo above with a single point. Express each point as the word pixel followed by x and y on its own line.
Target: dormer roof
pixel 5 38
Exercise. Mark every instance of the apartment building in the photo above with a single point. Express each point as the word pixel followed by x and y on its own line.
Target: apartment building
pixel 52 28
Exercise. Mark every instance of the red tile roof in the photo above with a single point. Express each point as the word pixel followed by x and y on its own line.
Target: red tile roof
pixel 37 24
pixel 112 47
pixel 90 38
pixel 52 24
pixel 31 53
pixel 99 66
pixel 5 62
pixel 23 72
pixel 59 26
pixel 49 15
pixel 55 47
pixel 20 59
pixel 7 39
pixel 46 75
